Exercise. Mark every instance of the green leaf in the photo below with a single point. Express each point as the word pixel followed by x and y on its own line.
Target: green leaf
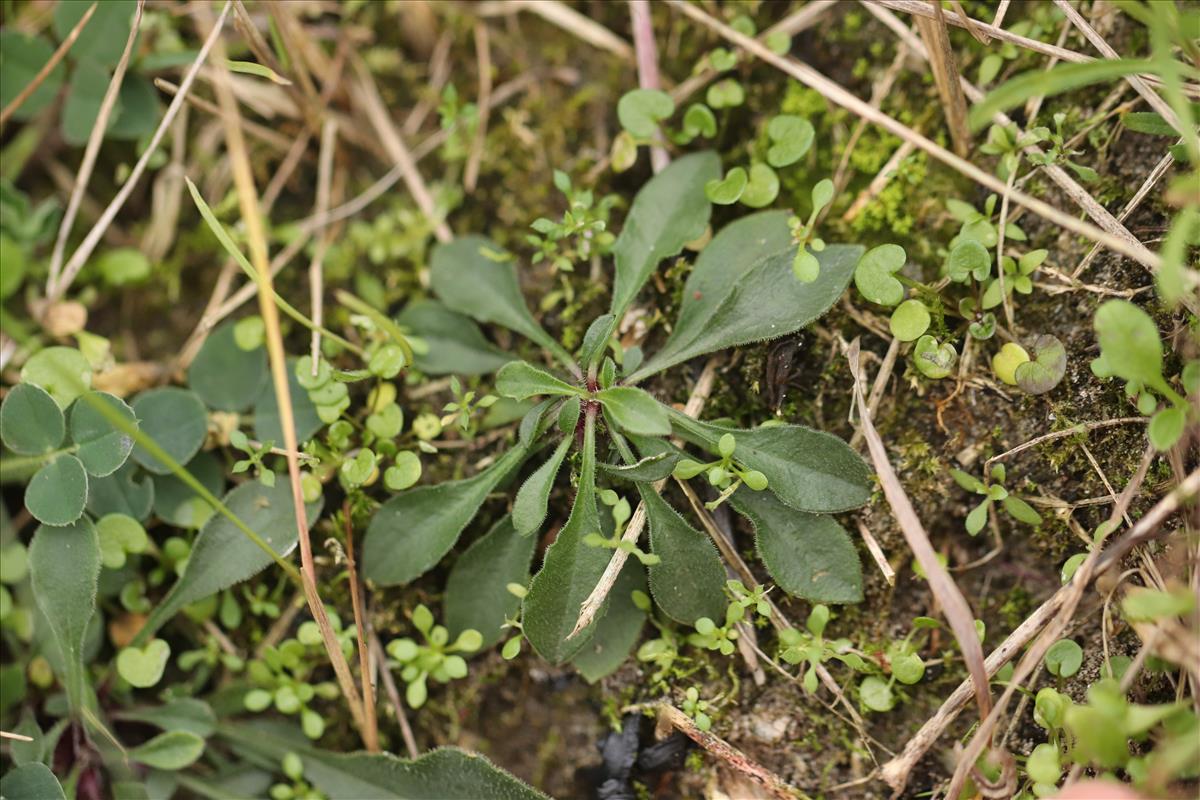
pixel 64 565
pixel 172 750
pixel 933 359
pixel 808 470
pixel 85 94
pixel 31 423
pixel 873 275
pixel 635 411
pixel 120 534
pixel 470 282
pixel 618 630
pixel 688 582
pixel 1048 83
pixel 733 252
pixel 267 427
pixel 1149 122
pixel 668 212
pixel 1129 343
pixel 762 188
pixel 477 596
pixel 766 303
pixel 137 110
pixel 699 120
pixel 648 470
pixel 1166 427
pixel 595 341
pixel 31 782
pixel 12 254
pixel 143 667
pixel 520 379
pixel 1150 605
pixel 726 93
pixel 396 550
pixel 969 259
pixel 103 448
pixel 177 504
pixel 57 493
pixel 121 493
pixel 455 345
pixel 876 694
pixel 640 110
pixel 61 371
pixel 123 266
pixel 529 508
pixel 909 321
pixel 791 137
pixel 978 517
pixel 223 555
pixel 569 572
pixel 223 375
pixel 22 57
pixel 1046 367
pixel 175 419
pixel 103 38
pixel 443 774
pixel 1064 658
pixel 727 190
pixel 258 71
pixel 808 555
pixel 180 713
pixel 1021 510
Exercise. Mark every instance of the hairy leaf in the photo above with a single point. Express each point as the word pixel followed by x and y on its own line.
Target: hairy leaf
pixel 618 630
pixel 455 345
pixel 809 555
pixel 648 470
pixel 570 571
pixel 103 448
pixel 669 211
pixel 688 582
pixel 1130 347
pixel 470 282
pixel 31 782
pixel 520 379
pixel 477 595
pixel 411 532
pixel 31 423
pixel 226 377
pixel 808 470
pixel 57 492
pixel 635 411
pixel 767 302
pixel 222 555
pixel 175 419
pixel 64 565
pixel 529 509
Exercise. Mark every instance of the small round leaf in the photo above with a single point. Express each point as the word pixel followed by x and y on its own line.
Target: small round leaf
pixel 226 376
pixel 640 110
pixel 61 371
pixel 791 137
pixel 727 190
pixel 1046 367
pixel 874 274
pixel 175 419
pixel 57 492
pixel 910 320
pixel 762 187
pixel 31 423
pixel 103 447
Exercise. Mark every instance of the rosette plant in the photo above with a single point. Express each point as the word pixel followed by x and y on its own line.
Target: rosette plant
pixel 786 479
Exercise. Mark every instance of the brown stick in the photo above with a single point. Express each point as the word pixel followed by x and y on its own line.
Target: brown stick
pixel 483 53
pixel 647 66
pixel 364 657
pixel 48 67
pixel 945 75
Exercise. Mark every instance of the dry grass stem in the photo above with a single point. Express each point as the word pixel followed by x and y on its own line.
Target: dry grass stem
pixel 563 16
pixel 946 77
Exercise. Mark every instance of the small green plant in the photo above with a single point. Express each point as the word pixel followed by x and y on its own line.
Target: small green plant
pixel 699 710
pixel 993 492
pixel 436 658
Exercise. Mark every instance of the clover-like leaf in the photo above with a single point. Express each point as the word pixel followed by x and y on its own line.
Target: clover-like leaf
pixel 635 411
pixel 791 137
pixel 103 447
pixel 762 187
pixel 934 359
pixel 224 375
pixel 57 493
pixel 396 551
pixel 726 93
pixel 64 564
pixel 640 111
pixel 62 371
pixel 968 259
pixel 520 379
pixel 910 320
pixel 31 423
pixel 874 274
pixel 22 57
pixel 127 491
pixel 727 190
pixel 1046 367
pixel 687 582
pixel 477 596
pixel 1006 361
pixel 143 667
pixel 699 120
pixel 175 419
pixel 533 498
pixel 120 534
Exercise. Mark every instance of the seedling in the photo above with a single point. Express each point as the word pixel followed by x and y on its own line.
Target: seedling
pixel 436 658
pixel 993 492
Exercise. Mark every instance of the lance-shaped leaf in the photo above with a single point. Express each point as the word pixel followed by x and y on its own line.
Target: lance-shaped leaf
pixel 687 583
pixel 169 751
pixel 596 339
pixel 536 422
pixel 445 774
pixel 570 570
pixel 411 532
pixel 223 555
pixel 477 595
pixel 529 509
pixel 635 411
pixel 648 470
pixel 33 781
pixel 669 211
pixel 766 303
pixel 808 470
pixel 64 565
pixel 179 714
pixel 618 630
pixel 808 555
pixel 473 276
pixel 454 343
pixel 520 379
